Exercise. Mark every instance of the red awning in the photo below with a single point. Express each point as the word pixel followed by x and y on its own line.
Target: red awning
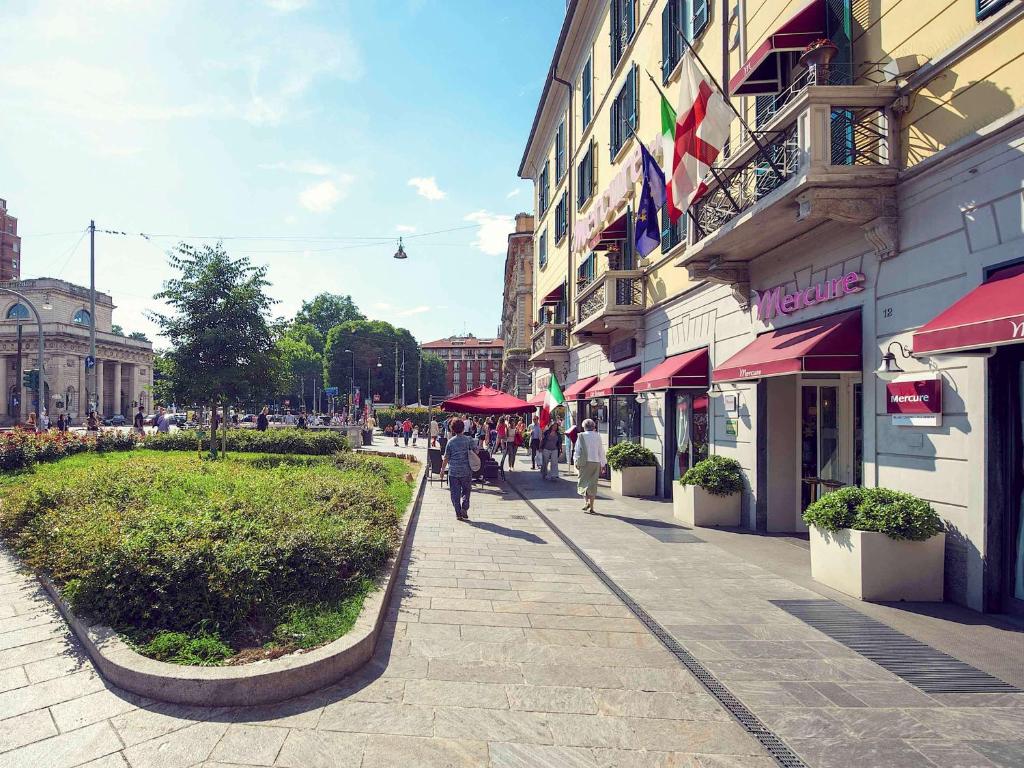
pixel 537 400
pixel 825 345
pixel 690 369
pixel 616 383
pixel 613 235
pixel 761 72
pixel 989 316
pixel 578 389
pixel 484 400
pixel 554 296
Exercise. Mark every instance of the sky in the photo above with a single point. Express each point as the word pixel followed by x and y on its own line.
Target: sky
pixel 307 134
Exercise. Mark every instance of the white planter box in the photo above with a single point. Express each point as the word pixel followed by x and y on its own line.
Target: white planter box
pixel 871 566
pixel 634 481
pixel 694 506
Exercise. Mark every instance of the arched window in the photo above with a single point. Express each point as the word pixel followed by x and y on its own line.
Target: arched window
pixel 18 312
pixel 82 317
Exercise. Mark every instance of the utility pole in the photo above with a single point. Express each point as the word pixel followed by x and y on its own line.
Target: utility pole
pixel 396 373
pixel 403 378
pixel 91 377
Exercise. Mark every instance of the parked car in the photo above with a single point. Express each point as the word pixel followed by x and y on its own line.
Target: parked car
pixel 115 421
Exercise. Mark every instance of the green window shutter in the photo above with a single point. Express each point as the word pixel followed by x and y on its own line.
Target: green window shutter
pixel 699 18
pixel 666 42
pixel 986 8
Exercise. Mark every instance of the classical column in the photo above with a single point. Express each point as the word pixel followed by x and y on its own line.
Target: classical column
pixel 133 386
pixel 3 386
pixel 118 409
pixel 99 386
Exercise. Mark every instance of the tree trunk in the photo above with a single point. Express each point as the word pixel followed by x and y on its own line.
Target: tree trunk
pixel 224 432
pixel 213 428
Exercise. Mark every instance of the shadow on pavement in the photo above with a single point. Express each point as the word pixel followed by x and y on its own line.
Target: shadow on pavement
pixel 510 532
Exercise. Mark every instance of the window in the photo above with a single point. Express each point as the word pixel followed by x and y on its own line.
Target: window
pixel 542 190
pixel 671 234
pixel 687 16
pixel 587 91
pixel 586 177
pixel 542 248
pixel 561 217
pixel 560 151
pixel 586 271
pixel 82 317
pixel 624 113
pixel 18 312
pixel 986 8
pixel 623 25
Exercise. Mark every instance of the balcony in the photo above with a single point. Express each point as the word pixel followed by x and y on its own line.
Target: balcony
pixel 827 154
pixel 550 344
pixel 612 301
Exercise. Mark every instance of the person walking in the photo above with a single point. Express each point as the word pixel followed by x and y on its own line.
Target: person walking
pixel 456 464
pixel 44 421
pixel 62 422
pixel 407 430
pixel 396 430
pixel 140 422
pixel 92 422
pixel 550 449
pixel 590 460
pixel 262 420
pixel 301 423
pixel 535 435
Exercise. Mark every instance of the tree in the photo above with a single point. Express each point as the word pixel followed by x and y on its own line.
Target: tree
pixel 117 330
pixel 221 343
pixel 328 310
pixel 433 376
pixel 305 333
pixel 372 341
pixel 164 378
pixel 138 336
pixel 301 366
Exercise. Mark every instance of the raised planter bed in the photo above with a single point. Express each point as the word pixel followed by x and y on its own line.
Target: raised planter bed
pixel 694 506
pixel 634 481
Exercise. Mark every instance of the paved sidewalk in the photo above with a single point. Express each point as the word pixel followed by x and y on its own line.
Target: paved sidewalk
pixel 831 705
pixel 502 650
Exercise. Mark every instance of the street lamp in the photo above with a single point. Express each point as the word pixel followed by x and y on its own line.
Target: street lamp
pixel 351 383
pixel 400 253
pixel 39 327
pixel 889 370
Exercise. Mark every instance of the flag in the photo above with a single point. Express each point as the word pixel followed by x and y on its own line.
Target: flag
pixel 701 131
pixel 552 399
pixel 668 142
pixel 646 232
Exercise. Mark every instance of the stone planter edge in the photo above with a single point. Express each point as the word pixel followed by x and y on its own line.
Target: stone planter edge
pixel 264 682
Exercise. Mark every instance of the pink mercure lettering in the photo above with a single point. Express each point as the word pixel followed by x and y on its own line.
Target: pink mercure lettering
pixel 788 303
pixel 808 296
pixel 852 282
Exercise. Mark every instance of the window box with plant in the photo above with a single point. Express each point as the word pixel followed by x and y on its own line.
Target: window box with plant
pixel 709 493
pixel 634 469
pixel 877 544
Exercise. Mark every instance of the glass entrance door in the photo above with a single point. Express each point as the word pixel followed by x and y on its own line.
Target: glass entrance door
pixel 821 441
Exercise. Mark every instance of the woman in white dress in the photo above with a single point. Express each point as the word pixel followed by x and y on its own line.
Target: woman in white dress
pixel 590 460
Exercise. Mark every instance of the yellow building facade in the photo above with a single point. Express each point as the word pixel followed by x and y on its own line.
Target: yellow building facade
pixel 882 145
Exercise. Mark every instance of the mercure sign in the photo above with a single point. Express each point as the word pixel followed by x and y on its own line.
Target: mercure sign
pixel 774 302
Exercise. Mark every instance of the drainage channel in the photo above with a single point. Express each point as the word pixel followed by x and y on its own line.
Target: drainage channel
pixel 774 745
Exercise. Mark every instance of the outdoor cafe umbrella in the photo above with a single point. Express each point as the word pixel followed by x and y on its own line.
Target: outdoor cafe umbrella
pixel 484 401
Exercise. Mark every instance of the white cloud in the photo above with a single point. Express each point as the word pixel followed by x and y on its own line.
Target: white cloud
pixel 286 6
pixel 303 167
pixel 394 311
pixel 512 194
pixel 427 187
pixel 323 196
pixel 406 229
pixel 492 236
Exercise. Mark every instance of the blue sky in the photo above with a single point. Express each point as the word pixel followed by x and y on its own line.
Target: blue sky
pixel 289 122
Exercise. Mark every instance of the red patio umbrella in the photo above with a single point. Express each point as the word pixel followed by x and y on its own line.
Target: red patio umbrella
pixel 484 400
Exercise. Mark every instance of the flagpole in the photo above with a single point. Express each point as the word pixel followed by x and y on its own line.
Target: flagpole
pixel 725 97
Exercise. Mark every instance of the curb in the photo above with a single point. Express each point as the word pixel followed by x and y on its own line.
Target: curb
pixel 262 682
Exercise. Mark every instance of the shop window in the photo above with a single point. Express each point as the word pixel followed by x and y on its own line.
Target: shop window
pixel 623 26
pixel 691 431
pixel 560 151
pixel 586 177
pixel 561 217
pixel 623 420
pixel 587 91
pixel 624 113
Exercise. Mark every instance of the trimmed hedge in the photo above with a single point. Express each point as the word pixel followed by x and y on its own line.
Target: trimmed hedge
pixel 20 449
pixel 275 440
pixel 420 417
pixel 155 543
pixel 897 514
pixel 718 475
pixel 622 455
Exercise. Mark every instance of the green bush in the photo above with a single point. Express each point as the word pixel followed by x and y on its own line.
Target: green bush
pixel 897 514
pixel 276 440
pixel 420 417
pixel 718 475
pixel 167 543
pixel 20 449
pixel 622 455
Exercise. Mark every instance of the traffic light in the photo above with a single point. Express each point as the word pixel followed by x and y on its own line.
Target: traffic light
pixel 30 379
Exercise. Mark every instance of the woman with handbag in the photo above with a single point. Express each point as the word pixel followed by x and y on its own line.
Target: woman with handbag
pixel 590 460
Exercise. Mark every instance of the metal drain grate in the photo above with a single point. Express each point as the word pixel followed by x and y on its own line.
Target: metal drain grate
pixel 920 665
pixel 776 747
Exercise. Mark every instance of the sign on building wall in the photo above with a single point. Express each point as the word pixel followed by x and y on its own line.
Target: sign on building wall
pixel 622 350
pixel 915 402
pixel 775 302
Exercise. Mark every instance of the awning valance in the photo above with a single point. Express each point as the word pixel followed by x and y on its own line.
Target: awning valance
pixel 578 389
pixel 762 71
pixel 829 344
pixel 554 296
pixel 989 316
pixel 616 383
pixel 689 369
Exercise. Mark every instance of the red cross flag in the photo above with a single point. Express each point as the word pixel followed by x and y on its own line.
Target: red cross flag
pixel 702 128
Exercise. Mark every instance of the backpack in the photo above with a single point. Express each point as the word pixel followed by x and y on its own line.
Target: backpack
pixel 474 462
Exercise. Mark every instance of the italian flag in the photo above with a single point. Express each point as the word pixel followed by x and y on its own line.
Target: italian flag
pixel 552 399
pixel 668 143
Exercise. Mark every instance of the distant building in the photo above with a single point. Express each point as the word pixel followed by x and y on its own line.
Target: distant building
pixel 470 362
pixel 124 366
pixel 10 245
pixel 517 316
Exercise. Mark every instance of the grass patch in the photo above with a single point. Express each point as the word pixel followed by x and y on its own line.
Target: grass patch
pixel 257 554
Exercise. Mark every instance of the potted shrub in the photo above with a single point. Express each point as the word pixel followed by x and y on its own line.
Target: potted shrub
pixel 709 493
pixel 634 469
pixel 877 544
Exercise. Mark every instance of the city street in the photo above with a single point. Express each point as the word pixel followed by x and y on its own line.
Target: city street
pixel 503 648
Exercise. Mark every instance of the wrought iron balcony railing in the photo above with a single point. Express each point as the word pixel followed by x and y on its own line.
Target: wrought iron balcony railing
pixel 549 339
pixel 612 293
